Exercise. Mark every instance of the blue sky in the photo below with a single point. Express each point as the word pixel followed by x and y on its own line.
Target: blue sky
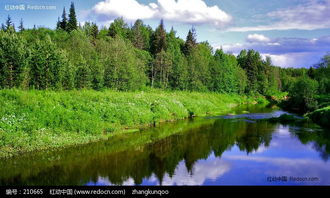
pixel 294 33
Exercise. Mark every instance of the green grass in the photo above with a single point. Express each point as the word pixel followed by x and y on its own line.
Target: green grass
pixel 321 117
pixel 38 120
pixel 323 100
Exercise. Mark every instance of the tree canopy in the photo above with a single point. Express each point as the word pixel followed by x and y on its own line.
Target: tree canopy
pixel 124 57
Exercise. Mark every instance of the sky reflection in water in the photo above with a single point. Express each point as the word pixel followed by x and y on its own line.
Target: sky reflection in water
pixel 188 152
pixel 285 155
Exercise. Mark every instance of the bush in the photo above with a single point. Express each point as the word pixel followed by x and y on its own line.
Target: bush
pixel 302 95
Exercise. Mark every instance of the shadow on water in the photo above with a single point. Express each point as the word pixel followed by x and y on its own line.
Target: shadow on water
pixel 154 153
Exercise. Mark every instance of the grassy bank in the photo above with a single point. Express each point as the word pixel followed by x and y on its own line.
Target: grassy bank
pixel 321 117
pixel 38 120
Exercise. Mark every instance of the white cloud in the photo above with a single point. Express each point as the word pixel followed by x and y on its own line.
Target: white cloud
pixel 129 9
pixel 285 52
pixel 309 16
pixel 195 12
pixel 202 171
pixel 284 60
pixel 252 38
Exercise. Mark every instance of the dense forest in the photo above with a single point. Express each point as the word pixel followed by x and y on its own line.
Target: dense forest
pixel 136 57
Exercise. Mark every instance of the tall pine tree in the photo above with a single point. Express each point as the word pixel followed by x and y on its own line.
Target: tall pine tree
pixel 58 24
pixel 9 25
pixel 190 42
pixel 64 22
pixel 21 26
pixel 72 23
pixel 13 59
pixel 94 31
pixel 159 39
pixel 3 27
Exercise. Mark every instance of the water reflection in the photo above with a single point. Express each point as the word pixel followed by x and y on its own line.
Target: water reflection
pixel 193 152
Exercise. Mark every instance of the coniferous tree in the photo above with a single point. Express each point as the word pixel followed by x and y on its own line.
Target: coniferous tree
pixel 140 35
pixel 159 39
pixel 3 27
pixel 178 73
pixel 58 24
pixel 14 57
pixel 21 26
pixel 137 37
pixel 254 67
pixel 47 65
pixel 94 31
pixel 134 55
pixel 190 42
pixel 9 23
pixel 64 22
pixel 72 23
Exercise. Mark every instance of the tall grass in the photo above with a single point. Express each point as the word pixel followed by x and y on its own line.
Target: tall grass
pixel 37 120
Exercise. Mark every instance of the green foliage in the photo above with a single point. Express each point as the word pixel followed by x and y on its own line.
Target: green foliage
pixel 34 120
pixel 137 58
pixel 191 42
pixel 198 67
pixel 140 35
pixel 9 25
pixel 119 28
pixel 322 75
pixel 158 40
pixel 72 23
pixel 64 23
pixel 250 61
pixel 13 60
pixel 124 58
pixel 321 116
pixel 123 70
pixel 302 95
pixel 161 68
pixel 226 75
pixel 47 65
pixel 83 75
pixel 179 72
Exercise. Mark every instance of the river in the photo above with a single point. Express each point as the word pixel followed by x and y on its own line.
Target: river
pixel 237 149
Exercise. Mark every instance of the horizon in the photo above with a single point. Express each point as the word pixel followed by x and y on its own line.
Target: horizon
pixel 292 33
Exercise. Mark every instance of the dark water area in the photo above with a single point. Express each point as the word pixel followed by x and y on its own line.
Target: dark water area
pixel 237 149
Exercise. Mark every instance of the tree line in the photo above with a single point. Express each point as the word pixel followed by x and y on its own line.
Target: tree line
pixel 123 57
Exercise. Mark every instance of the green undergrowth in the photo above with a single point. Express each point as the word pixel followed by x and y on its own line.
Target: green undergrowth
pixel 321 117
pixel 38 120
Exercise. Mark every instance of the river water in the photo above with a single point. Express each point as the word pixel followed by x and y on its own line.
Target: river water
pixel 237 149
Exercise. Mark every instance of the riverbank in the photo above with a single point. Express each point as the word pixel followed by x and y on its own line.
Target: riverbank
pixel 321 117
pixel 39 120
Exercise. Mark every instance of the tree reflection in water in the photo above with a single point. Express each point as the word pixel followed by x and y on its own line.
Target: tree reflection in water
pixel 153 153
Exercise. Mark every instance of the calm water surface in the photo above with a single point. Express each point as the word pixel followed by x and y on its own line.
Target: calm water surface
pixel 223 150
